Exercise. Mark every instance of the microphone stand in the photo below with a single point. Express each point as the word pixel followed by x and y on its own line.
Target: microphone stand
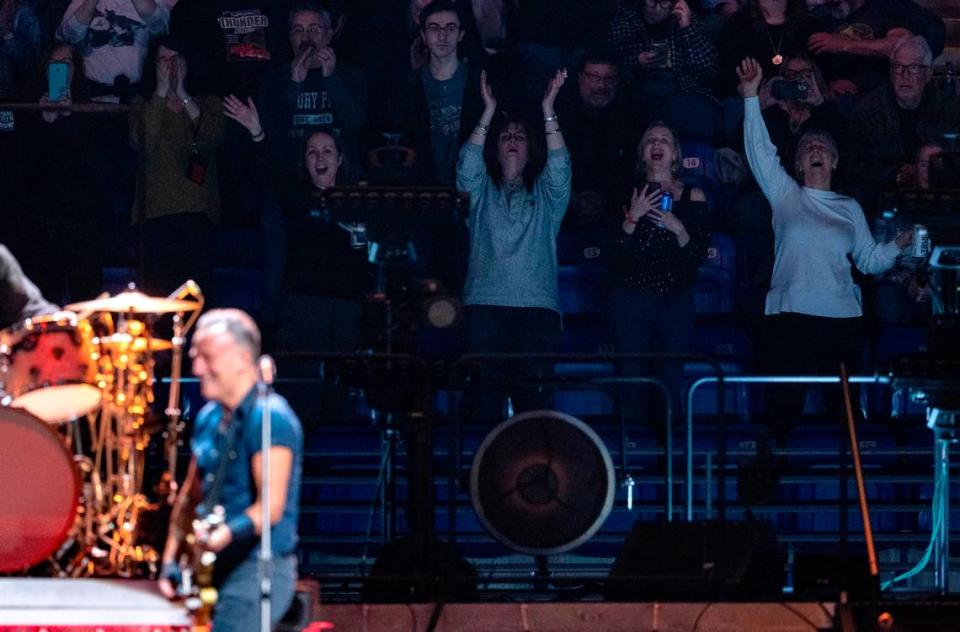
pixel 265 559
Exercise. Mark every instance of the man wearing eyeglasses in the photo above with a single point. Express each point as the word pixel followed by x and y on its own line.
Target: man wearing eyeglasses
pixel 893 121
pixel 602 128
pixel 439 95
pixel 854 38
pixel 313 91
pixel 433 104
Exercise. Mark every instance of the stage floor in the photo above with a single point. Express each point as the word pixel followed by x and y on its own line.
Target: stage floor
pixel 111 605
pixel 87 602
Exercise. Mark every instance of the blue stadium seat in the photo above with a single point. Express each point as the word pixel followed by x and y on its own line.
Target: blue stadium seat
pixel 584 334
pixel 699 169
pixel 581 288
pixel 716 278
pixel 694 117
pixel 580 245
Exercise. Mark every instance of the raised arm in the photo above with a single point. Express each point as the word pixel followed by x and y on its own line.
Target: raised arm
pixel 550 121
pixel 773 180
pixel 478 136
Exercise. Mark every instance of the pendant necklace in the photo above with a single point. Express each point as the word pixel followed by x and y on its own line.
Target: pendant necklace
pixel 777 58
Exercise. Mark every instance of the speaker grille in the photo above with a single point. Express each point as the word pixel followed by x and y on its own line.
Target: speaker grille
pixel 542 482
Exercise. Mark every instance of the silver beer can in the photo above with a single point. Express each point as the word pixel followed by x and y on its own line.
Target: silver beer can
pixel 921 242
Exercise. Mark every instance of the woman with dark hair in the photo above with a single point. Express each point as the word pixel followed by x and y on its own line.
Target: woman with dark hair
pixel 177 201
pixel 517 201
pixel 326 272
pixel 813 308
pixel 767 30
pixel 654 256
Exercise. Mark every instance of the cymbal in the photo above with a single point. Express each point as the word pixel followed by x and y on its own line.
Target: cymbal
pixel 137 302
pixel 128 342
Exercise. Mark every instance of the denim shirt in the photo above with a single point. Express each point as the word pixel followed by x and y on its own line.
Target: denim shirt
pixel 513 236
pixel 238 490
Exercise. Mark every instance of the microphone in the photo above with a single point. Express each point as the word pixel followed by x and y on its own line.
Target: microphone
pixel 267 369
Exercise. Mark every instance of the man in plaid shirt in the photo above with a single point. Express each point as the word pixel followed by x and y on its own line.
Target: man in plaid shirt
pixel 664 47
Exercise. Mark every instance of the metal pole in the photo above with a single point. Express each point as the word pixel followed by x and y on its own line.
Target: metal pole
pixel 941 513
pixel 265 561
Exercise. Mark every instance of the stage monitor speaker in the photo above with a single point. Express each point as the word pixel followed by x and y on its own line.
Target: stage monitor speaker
pixel 407 571
pixel 705 561
pixel 823 576
pixel 542 482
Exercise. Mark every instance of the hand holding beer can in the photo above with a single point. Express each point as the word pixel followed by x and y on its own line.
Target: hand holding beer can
pixel 920 248
pixel 666 205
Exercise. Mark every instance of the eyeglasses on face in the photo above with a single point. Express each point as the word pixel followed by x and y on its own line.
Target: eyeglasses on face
pixel 660 3
pixel 913 70
pixel 801 73
pixel 598 78
pixel 436 29
pixel 313 29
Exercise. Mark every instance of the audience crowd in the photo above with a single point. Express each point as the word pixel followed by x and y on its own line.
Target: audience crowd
pixel 575 119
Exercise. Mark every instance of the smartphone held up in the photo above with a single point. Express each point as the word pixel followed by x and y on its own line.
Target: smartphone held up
pixel 58 84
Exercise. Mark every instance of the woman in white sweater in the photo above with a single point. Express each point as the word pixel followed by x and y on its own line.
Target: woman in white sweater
pixel 813 308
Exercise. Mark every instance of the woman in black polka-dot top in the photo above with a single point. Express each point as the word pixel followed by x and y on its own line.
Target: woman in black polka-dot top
pixel 653 257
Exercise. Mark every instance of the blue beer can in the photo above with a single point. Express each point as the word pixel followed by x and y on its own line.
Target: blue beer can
pixel 666 202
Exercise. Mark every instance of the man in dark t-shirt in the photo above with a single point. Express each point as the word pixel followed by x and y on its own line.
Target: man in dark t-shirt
pixel 852 43
pixel 313 91
pixel 441 101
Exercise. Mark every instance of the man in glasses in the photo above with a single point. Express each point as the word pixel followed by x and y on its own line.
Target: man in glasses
pixel 313 91
pixel 602 128
pixel 664 47
pixel 893 121
pixel 433 105
pixel 440 94
pixel 852 39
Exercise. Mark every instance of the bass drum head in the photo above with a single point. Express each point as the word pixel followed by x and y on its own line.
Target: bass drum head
pixel 39 491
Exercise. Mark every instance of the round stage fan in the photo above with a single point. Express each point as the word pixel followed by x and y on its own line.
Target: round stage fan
pixel 542 482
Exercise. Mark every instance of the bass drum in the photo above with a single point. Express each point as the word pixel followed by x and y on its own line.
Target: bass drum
pixel 39 491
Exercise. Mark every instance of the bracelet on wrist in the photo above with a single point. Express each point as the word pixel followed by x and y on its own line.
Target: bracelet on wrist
pixel 483 127
pixel 553 131
pixel 552 117
pixel 627 218
pixel 259 136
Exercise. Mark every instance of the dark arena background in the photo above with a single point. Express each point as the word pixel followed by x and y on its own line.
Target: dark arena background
pixel 743 419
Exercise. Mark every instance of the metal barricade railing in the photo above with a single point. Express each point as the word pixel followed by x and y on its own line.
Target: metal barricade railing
pixel 747 379
pixel 607 382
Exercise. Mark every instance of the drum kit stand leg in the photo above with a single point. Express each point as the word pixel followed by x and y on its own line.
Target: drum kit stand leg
pixel 80 384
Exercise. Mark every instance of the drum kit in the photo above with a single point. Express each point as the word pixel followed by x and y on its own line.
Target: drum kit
pixel 76 419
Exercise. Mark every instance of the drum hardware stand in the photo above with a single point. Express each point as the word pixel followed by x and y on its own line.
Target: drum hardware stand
pixel 107 533
pixel 168 481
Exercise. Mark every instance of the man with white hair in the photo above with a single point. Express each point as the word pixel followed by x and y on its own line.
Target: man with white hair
pixel 227 466
pixel 893 121
pixel 853 39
